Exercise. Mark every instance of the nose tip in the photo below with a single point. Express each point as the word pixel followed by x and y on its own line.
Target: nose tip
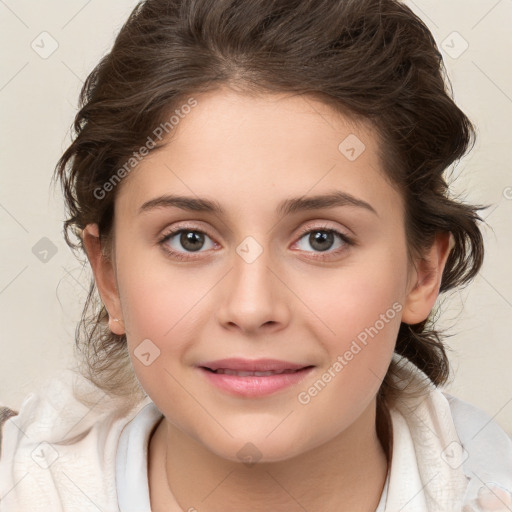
pixel 253 298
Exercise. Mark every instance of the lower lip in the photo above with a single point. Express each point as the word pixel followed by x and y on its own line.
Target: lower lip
pixel 254 386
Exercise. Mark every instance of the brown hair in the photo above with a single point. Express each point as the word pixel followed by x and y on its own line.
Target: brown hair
pixel 374 60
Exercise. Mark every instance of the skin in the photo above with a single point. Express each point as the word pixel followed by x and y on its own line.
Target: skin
pixel 249 154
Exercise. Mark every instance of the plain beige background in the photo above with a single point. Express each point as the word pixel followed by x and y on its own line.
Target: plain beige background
pixel 48 49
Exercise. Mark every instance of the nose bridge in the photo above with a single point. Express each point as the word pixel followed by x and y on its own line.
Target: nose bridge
pixel 253 296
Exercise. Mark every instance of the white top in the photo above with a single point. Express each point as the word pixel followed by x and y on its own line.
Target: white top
pixel 58 454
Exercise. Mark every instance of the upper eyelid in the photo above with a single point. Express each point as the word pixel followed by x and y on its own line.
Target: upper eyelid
pixel 301 230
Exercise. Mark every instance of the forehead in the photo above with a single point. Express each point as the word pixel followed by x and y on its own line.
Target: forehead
pixel 254 150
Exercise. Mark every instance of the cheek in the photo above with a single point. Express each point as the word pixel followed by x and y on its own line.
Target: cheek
pixel 160 308
pixel 362 309
pixel 158 299
pixel 158 322
pixel 357 360
pixel 354 298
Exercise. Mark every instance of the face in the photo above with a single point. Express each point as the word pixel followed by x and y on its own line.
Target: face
pixel 317 285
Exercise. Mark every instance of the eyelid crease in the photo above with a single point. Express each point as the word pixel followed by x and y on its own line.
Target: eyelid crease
pixel 305 230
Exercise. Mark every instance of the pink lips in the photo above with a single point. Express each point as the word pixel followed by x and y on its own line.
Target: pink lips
pixel 252 378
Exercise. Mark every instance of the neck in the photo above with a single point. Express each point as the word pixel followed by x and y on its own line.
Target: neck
pixel 345 474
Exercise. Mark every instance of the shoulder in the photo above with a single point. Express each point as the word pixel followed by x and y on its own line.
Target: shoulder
pixel 478 430
pixel 471 420
pixel 64 445
pixel 487 451
pixel 66 406
pixel 454 439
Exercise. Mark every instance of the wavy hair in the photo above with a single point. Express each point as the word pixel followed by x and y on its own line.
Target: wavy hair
pixel 374 60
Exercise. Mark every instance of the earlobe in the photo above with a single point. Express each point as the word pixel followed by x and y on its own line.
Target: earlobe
pixel 427 280
pixel 105 278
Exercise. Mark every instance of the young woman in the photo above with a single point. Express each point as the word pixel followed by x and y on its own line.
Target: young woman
pixel 258 187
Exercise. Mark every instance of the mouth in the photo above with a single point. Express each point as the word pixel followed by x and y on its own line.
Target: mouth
pixel 253 378
pixel 240 373
pixel 248 367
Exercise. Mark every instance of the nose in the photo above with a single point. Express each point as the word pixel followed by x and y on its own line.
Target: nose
pixel 254 297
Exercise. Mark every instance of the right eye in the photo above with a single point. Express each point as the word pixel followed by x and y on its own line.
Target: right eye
pixel 180 241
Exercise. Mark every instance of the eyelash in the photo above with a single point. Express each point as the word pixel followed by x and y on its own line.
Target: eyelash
pixel 347 241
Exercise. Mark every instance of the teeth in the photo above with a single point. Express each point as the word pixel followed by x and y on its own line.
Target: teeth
pixel 252 374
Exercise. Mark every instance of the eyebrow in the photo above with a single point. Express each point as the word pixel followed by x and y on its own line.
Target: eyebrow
pixel 286 207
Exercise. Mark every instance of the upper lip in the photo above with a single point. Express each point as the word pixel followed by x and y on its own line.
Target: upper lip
pixel 252 365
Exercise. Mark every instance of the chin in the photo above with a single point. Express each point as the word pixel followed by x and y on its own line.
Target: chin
pixel 259 447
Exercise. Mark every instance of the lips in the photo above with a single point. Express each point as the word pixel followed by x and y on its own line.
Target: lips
pixel 247 378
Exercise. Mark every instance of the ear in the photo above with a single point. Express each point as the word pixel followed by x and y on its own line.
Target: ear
pixel 105 277
pixel 425 280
